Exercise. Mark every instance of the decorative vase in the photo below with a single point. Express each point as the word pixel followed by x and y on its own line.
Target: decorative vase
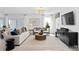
pixel 41 33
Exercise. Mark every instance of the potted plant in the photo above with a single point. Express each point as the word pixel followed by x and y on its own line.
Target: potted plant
pixel 47 26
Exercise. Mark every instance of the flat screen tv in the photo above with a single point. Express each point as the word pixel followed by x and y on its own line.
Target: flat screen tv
pixel 68 18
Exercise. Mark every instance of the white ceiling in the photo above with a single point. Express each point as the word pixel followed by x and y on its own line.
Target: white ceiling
pixel 30 10
pixel 26 10
pixel 19 12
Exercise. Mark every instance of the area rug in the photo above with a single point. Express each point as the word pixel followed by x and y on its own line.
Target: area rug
pixel 51 43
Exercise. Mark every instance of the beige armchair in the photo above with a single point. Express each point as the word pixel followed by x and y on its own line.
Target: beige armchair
pixel 36 30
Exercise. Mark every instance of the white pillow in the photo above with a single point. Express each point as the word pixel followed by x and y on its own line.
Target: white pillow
pixel 4 34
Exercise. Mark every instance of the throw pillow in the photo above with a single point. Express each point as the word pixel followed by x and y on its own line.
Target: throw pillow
pixel 18 31
pixel 25 29
pixel 13 33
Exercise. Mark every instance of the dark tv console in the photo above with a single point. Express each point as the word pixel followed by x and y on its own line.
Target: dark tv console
pixel 69 38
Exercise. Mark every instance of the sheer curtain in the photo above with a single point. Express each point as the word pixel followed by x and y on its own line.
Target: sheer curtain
pixel 15 21
pixel 12 23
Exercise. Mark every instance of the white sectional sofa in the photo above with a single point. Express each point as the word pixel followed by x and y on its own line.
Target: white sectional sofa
pixel 19 39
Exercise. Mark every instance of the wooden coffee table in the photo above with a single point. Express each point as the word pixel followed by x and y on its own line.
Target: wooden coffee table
pixel 40 37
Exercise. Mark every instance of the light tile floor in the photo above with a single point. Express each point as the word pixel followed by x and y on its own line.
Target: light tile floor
pixel 51 43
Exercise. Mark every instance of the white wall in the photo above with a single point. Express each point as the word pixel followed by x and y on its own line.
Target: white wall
pixel 29 17
pixel 53 24
pixel 74 28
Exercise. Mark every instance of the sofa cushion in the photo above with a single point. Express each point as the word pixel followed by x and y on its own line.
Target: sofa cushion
pixel 18 31
pixel 23 29
pixel 5 33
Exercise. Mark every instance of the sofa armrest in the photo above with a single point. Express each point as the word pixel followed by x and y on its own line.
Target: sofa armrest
pixel 16 37
pixel 2 45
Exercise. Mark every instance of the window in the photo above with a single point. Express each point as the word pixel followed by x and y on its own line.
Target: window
pixel 12 23
pixel 47 20
pixel 15 23
pixel 19 23
pixel 1 23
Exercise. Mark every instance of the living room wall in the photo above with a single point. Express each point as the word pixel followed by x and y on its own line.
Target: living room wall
pixel 31 17
pixel 74 28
